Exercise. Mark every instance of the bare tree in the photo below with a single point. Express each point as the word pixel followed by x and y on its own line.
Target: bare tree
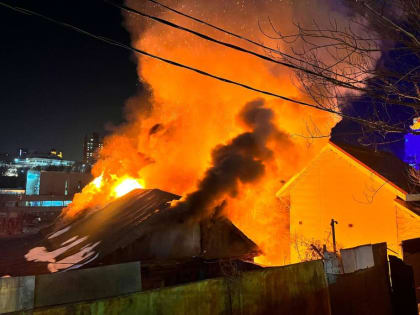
pixel 414 176
pixel 342 60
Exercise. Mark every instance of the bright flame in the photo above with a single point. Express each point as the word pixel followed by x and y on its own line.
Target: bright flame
pixel 97 182
pixel 171 132
pixel 127 185
pixel 102 190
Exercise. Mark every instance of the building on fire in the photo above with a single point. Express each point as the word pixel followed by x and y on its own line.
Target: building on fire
pixel 370 194
pixel 136 227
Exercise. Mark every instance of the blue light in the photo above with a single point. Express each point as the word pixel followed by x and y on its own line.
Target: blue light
pixel 412 150
pixel 48 203
pixel 32 182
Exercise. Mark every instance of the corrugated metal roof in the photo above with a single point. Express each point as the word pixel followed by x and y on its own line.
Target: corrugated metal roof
pixel 138 226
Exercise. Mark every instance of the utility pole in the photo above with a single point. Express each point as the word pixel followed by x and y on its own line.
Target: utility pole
pixel 333 234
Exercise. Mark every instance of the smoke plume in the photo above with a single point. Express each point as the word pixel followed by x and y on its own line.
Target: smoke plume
pixel 184 134
pixel 241 160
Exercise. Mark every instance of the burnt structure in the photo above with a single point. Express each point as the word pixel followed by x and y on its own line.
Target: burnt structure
pixel 139 226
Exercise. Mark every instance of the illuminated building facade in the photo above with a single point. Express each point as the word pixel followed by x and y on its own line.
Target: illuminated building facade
pixel 369 194
pixel 34 160
pixel 41 162
pixel 412 146
pixel 55 183
pixel 46 194
pixel 91 146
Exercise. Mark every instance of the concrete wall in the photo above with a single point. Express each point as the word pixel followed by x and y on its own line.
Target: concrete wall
pixel 25 293
pixel 87 284
pixel 294 289
pixel 16 294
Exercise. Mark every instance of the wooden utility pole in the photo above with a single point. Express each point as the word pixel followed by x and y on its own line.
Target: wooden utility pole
pixel 333 234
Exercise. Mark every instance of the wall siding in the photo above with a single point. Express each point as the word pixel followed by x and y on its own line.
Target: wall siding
pixel 331 187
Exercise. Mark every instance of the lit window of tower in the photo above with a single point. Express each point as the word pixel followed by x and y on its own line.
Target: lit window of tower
pixel 92 144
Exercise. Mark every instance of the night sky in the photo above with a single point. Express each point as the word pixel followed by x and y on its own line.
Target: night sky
pixel 57 85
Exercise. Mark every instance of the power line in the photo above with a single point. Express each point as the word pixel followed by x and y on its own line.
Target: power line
pixel 232 46
pixel 110 41
pixel 139 51
pixel 276 51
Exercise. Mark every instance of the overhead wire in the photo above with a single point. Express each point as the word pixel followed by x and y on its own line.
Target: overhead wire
pixel 241 37
pixel 110 41
pixel 233 46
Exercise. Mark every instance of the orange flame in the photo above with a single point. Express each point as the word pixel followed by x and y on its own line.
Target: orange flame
pixel 125 185
pixel 170 134
pixel 97 182
pixel 101 191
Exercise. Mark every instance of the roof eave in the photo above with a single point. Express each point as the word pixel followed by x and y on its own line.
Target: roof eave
pixel 402 205
pixel 412 197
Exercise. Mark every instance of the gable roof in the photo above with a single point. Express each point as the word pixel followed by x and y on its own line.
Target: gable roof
pixel 383 165
pixel 138 226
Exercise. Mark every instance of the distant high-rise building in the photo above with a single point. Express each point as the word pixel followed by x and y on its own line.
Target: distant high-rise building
pixel 92 144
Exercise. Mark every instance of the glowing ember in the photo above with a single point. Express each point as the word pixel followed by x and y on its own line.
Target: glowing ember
pixel 127 185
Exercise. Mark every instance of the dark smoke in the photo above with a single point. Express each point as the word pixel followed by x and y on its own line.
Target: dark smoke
pixel 239 161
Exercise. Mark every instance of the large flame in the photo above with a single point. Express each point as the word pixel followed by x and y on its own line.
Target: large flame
pixel 102 190
pixel 125 185
pixel 170 133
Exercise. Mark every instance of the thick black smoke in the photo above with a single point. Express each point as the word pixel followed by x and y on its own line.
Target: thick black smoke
pixel 242 160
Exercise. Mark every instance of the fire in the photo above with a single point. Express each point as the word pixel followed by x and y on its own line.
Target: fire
pixel 97 182
pixel 102 190
pixel 172 130
pixel 126 185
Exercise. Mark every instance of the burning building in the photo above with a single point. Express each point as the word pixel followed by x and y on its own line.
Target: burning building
pixel 139 226
pixel 200 138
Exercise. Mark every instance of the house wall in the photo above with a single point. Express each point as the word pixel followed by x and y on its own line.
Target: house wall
pixel 408 224
pixel 333 187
